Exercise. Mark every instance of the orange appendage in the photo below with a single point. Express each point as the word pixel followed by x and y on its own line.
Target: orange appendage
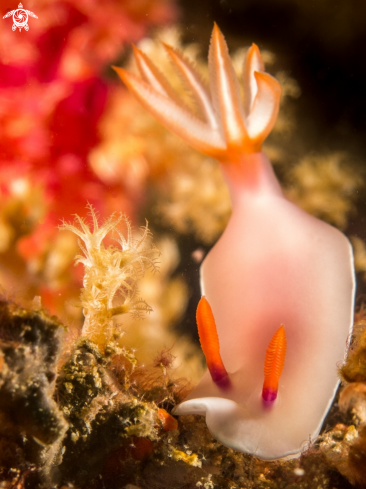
pixel 210 343
pixel 168 423
pixel 273 364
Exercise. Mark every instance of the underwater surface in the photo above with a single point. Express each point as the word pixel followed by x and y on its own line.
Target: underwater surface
pixel 151 154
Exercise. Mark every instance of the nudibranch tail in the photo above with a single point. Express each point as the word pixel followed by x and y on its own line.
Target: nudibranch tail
pixel 229 129
pixel 210 343
pixel 273 364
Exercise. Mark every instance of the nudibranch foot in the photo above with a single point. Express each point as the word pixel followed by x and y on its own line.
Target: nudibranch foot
pixel 210 344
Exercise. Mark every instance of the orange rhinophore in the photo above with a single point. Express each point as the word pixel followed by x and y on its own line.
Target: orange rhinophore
pixel 273 364
pixel 210 343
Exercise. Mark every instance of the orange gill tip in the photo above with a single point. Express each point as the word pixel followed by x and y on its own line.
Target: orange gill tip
pixel 120 72
pixel 264 110
pixel 273 365
pixel 210 343
pixel 253 62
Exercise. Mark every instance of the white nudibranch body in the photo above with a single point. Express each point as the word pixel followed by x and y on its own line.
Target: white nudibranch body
pixel 274 264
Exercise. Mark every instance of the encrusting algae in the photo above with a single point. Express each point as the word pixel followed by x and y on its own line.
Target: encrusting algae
pixel 32 426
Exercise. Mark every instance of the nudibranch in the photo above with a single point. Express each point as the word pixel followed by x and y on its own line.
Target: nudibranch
pixel 273 265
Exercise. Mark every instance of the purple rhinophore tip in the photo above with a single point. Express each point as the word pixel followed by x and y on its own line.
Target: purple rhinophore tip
pixel 220 377
pixel 224 382
pixel 269 395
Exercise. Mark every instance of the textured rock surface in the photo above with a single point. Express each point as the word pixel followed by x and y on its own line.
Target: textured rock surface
pixel 31 424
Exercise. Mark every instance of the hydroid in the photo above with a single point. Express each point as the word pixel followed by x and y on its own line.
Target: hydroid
pixel 111 273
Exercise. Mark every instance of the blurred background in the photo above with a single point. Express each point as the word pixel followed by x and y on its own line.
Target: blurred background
pixel 70 134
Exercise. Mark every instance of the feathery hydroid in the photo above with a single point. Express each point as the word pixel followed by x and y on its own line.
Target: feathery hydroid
pixel 111 273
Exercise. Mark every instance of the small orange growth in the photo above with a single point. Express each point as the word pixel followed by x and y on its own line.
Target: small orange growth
pixel 210 342
pixel 168 422
pixel 273 364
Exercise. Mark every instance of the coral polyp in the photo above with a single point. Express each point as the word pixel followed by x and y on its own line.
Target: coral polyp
pixel 111 273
